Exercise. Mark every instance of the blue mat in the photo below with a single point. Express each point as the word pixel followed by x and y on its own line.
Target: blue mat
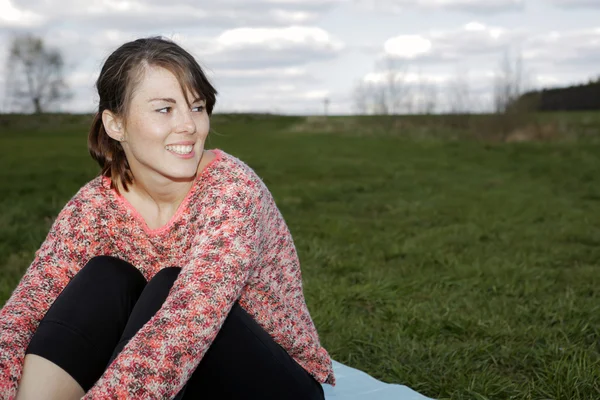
pixel 353 384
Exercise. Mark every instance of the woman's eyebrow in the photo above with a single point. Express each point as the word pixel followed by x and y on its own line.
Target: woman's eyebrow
pixel 167 99
pixel 171 100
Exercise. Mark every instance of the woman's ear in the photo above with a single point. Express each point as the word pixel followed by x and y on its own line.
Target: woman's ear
pixel 113 126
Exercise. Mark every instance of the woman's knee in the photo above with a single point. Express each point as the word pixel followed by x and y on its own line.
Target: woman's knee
pixel 104 281
pixel 149 302
pixel 112 272
pixel 157 289
pixel 166 276
pixel 83 325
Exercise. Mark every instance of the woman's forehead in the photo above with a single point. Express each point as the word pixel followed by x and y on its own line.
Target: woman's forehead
pixel 159 82
pixel 157 78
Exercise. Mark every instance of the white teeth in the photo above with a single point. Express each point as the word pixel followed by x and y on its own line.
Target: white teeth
pixel 180 149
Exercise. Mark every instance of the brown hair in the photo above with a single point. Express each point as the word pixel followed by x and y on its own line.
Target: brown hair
pixel 121 73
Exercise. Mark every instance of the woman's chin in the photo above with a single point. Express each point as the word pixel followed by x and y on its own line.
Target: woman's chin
pixel 182 176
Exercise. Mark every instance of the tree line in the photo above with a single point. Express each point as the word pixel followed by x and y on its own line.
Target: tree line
pixel 583 97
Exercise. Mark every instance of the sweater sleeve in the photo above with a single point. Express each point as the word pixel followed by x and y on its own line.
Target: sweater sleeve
pixel 55 263
pixel 160 358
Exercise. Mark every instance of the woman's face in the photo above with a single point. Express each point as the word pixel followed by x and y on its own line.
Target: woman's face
pixel 164 136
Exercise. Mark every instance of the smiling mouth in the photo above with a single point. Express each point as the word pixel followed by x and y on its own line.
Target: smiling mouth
pixel 180 149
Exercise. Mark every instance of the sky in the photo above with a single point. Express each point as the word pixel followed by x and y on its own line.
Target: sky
pixel 301 56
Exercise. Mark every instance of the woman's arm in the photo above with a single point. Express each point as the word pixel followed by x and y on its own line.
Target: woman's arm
pixel 55 263
pixel 161 357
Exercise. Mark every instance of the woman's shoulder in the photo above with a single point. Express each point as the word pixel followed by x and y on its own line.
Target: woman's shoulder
pixel 92 191
pixel 80 210
pixel 227 174
pixel 89 198
pixel 229 169
pixel 219 157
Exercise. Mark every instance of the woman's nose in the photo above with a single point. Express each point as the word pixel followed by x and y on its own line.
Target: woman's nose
pixel 187 123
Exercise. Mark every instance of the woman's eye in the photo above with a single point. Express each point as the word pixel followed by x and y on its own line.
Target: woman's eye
pixel 164 110
pixel 198 109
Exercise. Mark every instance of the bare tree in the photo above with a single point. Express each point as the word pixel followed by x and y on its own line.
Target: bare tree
pixel 371 98
pixel 509 82
pixel 459 93
pixel 36 75
pixel 380 102
pixel 389 95
pixel 398 93
pixel 362 98
pixel 427 95
pixel 430 98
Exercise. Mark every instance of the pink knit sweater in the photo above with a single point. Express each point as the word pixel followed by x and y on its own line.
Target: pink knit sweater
pixel 231 242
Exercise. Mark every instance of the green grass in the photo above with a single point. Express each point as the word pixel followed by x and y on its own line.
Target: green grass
pixel 461 269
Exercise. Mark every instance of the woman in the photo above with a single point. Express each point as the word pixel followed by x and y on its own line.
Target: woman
pixel 173 273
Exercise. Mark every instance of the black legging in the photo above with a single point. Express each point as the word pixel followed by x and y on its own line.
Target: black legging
pixel 109 300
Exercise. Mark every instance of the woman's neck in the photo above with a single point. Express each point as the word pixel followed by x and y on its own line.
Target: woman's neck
pixel 157 199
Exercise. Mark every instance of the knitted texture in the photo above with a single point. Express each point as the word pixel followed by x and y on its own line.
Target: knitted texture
pixel 231 242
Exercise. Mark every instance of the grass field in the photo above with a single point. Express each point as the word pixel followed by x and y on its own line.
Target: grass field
pixel 462 269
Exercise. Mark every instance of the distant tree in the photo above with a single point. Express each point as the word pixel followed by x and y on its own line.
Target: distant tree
pixel 426 94
pixel 371 98
pixel 34 75
pixel 398 94
pixel 459 93
pixel 509 83
pixel 389 95
pixel 361 97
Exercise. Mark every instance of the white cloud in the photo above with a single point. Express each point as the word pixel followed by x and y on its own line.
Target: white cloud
pixel 576 3
pixel 153 14
pixel 279 98
pixel 567 48
pixel 407 46
pixel 468 6
pixel 259 48
pixel 273 37
pixel 315 94
pixel 251 77
pixel 383 77
pixel 473 38
pixel 12 17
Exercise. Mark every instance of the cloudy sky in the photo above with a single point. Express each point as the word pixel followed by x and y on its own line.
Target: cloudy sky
pixel 287 56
